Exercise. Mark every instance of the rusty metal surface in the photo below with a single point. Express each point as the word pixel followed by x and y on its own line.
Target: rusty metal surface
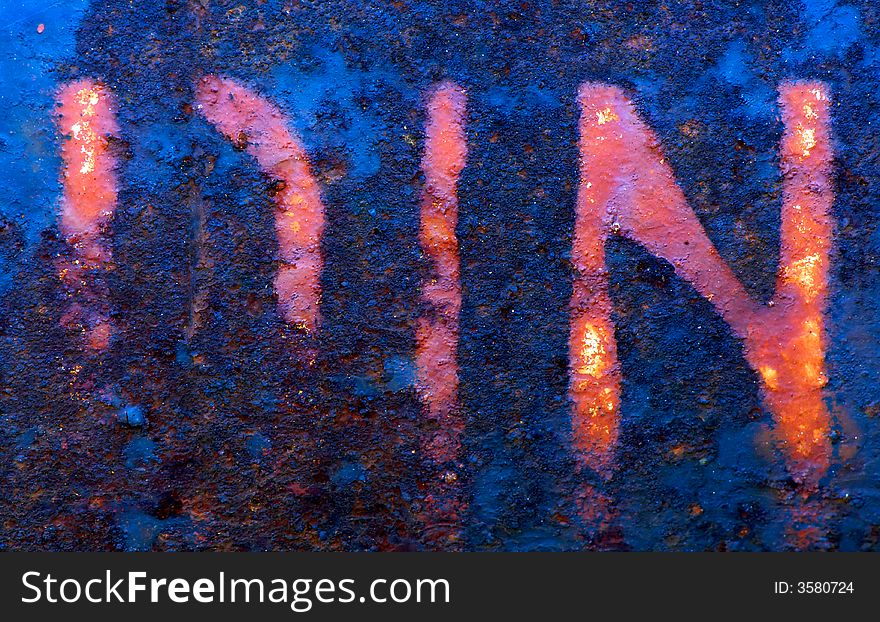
pixel 212 424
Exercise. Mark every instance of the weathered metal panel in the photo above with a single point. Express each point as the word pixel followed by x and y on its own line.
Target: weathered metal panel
pixel 215 417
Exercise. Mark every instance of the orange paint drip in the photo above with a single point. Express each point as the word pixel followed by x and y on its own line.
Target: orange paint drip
pixel 258 126
pixel 627 187
pixel 437 329
pixel 86 120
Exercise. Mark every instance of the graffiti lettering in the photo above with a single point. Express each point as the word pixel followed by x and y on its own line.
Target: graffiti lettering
pixel 626 187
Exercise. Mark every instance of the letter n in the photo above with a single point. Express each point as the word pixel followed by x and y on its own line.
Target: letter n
pixel 627 187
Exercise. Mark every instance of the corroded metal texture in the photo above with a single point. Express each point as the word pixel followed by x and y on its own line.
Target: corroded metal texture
pixel 329 275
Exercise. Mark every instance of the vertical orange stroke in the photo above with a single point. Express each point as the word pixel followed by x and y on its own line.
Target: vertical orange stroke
pixel 593 367
pixel 86 120
pixel 438 326
pixel 787 343
pixel 258 126
pixel 627 187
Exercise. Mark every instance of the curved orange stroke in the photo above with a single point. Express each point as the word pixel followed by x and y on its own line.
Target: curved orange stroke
pixel 258 126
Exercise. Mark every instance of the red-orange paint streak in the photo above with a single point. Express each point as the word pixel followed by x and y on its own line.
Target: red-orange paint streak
pixel 790 350
pixel 258 126
pixel 437 329
pixel 86 120
pixel 627 187
pixel 594 371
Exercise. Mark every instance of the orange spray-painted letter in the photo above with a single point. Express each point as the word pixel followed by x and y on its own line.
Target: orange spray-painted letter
pixel 626 187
